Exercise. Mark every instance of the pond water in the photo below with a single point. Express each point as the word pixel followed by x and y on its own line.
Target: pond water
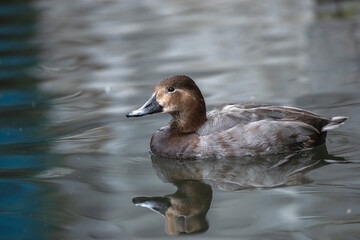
pixel 72 166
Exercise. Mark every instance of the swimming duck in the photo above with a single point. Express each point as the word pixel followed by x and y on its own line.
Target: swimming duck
pixel 233 130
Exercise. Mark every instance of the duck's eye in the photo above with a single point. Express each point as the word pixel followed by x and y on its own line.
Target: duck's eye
pixel 171 89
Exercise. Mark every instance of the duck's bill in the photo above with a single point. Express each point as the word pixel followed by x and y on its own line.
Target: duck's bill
pixel 156 204
pixel 150 107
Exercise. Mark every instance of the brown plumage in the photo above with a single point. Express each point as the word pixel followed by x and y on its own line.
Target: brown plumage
pixel 230 130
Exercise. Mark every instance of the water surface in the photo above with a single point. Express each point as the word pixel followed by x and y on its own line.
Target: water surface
pixel 72 165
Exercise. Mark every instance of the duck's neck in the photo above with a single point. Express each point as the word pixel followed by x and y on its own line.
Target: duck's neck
pixel 189 121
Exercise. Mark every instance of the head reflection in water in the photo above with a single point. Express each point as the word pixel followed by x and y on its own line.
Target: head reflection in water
pixel 185 210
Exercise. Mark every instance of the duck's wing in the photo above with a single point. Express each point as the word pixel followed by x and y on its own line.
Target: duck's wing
pixel 227 116
pixel 259 138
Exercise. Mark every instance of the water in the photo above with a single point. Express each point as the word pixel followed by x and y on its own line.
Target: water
pixel 72 165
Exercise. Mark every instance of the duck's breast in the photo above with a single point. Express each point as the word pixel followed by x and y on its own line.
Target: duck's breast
pixel 164 143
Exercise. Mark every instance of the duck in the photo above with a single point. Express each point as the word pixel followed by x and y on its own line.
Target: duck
pixel 229 130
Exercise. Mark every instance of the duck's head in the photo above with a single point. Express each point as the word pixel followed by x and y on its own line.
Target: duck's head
pixel 179 96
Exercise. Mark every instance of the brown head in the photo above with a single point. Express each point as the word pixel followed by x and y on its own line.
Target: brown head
pixel 180 97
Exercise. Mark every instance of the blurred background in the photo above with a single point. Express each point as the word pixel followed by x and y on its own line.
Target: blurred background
pixel 70 161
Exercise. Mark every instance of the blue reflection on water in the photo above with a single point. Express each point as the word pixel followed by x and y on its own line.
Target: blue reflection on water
pixel 22 123
pixel 19 227
pixel 34 161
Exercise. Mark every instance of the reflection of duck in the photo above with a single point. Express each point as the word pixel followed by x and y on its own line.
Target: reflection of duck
pixel 233 174
pixel 230 130
pixel 185 210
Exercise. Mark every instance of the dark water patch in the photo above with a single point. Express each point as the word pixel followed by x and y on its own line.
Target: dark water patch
pixel 330 9
pixel 24 139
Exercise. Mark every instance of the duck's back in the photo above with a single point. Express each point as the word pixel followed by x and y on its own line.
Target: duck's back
pixel 250 129
pixel 227 116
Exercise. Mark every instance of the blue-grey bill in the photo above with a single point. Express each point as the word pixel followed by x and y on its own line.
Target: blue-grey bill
pixel 150 107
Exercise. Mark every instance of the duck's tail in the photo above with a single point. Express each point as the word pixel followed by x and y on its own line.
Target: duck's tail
pixel 333 123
